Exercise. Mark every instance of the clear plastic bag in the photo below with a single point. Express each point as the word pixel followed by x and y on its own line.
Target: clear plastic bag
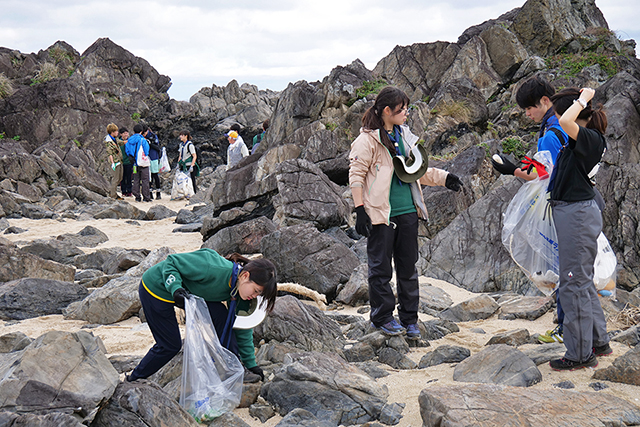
pixel 529 233
pixel 211 375
pixel 182 186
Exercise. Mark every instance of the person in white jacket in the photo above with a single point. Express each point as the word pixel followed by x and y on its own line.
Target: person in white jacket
pixel 237 149
pixel 387 210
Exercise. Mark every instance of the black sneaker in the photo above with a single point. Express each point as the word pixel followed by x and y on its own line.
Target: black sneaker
pixel 602 350
pixel 250 377
pixel 569 365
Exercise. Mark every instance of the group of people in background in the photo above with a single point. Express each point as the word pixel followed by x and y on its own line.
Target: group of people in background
pixel 138 179
pixel 125 154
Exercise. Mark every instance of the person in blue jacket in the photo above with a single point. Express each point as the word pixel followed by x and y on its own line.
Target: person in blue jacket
pixel 155 151
pixel 140 172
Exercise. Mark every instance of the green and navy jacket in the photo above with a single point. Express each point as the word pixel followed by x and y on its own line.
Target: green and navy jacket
pixel 206 274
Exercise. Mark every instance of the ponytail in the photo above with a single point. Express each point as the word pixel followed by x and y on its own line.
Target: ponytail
pixel 598 120
pixel 263 273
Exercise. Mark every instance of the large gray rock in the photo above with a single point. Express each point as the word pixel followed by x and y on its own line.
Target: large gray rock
pixel 624 369
pixel 521 307
pixel 302 418
pixel 26 298
pixel 13 341
pixel 117 300
pixel 52 249
pixel 498 364
pixel 631 336
pixel 55 419
pixel 122 210
pixel 20 167
pixel 328 387
pixel 142 404
pixel 157 212
pixel 300 325
pixel 61 371
pixel 356 291
pixel 543 353
pixel 545 26
pixel 304 255
pixel 16 264
pixel 444 354
pixel 513 338
pixel 87 237
pixel 307 195
pixel 480 307
pixel 243 238
pixel 96 260
pixel 124 260
pixel 496 405
pixel 505 50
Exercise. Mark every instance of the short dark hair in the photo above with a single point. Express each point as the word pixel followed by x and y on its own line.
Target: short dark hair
pixel 123 130
pixel 532 91
pixel 266 124
pixel 235 127
pixel 186 133
pixel 138 128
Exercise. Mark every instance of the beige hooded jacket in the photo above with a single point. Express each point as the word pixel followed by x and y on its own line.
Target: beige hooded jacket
pixel 371 167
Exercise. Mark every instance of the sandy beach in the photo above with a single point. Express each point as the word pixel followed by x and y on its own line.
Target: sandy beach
pixel 130 337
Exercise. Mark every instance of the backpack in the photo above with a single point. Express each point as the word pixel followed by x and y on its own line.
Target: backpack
pixel 198 158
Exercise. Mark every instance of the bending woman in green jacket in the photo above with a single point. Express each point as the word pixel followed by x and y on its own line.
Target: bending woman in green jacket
pixel 215 279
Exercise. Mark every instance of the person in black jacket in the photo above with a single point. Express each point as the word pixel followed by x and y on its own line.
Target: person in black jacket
pixel 578 222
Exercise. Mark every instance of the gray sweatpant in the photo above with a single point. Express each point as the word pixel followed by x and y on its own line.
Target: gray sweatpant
pixel 578 225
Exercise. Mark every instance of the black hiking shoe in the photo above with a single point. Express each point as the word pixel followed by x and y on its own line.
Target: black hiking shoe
pixel 569 365
pixel 602 350
pixel 250 377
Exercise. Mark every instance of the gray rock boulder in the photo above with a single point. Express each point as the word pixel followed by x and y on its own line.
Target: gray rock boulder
pixel 505 50
pixel 438 328
pixel 543 353
pixel 120 210
pixel 630 337
pixel 96 260
pixel 462 90
pixel 356 291
pixel 243 238
pixel 513 338
pixel 496 405
pixel 624 369
pixel 16 264
pixel 157 212
pixel 395 359
pixel 304 255
pixel 444 354
pixel 302 418
pixel 52 249
pixel 305 194
pixel 124 260
pixel 88 237
pixel 29 297
pixel 60 371
pixel 432 298
pixel 55 419
pixel 480 307
pixel 328 387
pixel 521 307
pixel 498 364
pixel 13 341
pixel 142 404
pixel 300 325
pixel 117 300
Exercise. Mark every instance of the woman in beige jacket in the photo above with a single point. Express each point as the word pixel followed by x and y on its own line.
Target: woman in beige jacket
pixel 387 210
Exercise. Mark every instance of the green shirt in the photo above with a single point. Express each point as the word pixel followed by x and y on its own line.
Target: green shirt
pixel 204 273
pixel 400 196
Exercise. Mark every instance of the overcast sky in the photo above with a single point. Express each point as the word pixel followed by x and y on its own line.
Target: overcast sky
pixel 267 43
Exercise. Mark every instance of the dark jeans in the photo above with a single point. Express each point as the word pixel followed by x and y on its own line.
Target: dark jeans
pixel 162 321
pixel 400 243
pixel 126 184
pixel 141 183
pixel 155 181
pixel 193 180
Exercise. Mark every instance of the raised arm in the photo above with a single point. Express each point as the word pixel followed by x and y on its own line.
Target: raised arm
pixel 568 119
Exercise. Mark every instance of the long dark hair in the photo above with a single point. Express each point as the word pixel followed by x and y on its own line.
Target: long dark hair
pixel 263 273
pixel 595 117
pixel 391 97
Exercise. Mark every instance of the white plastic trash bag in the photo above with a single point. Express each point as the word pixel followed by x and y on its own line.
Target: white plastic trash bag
pixel 182 186
pixel 211 375
pixel 604 272
pixel 529 233
pixel 164 162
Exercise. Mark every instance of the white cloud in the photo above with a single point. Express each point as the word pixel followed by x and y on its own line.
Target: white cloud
pixel 269 44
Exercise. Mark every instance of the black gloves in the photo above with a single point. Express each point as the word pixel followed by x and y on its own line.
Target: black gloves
pixel 363 222
pixel 258 371
pixel 453 182
pixel 179 296
pixel 506 167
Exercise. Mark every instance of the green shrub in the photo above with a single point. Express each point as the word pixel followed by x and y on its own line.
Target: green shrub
pixel 486 148
pixel 514 145
pixel 331 126
pixel 58 54
pixel 370 87
pixel 16 138
pixel 135 117
pixel 573 63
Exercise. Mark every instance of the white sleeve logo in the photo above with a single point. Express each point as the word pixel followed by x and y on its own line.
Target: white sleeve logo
pixel 170 280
